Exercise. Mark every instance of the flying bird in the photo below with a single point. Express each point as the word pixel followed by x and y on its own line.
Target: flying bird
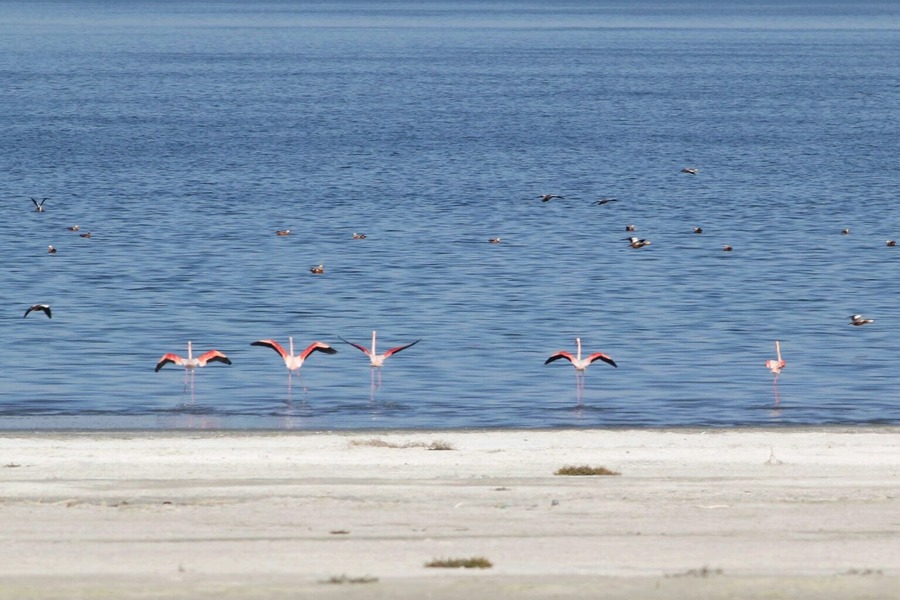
pixel 858 320
pixel 638 243
pixel 776 366
pixel 39 206
pixel 377 360
pixel 690 170
pixel 42 307
pixel 190 363
pixel 603 201
pixel 549 197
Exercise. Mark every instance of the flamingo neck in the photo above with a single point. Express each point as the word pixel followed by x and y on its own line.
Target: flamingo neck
pixel 291 345
pixel 578 345
pixel 190 352
pixel 373 341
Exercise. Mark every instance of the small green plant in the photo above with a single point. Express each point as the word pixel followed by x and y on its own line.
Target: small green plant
pixel 585 470
pixel 476 562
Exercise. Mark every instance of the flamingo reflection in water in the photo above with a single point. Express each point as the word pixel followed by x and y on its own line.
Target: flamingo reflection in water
pixel 377 360
pixel 581 365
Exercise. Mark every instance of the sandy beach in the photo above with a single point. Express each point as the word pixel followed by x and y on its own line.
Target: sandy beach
pixel 799 513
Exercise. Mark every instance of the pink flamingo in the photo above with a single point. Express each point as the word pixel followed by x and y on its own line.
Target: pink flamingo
pixel 292 361
pixel 191 363
pixel 377 360
pixel 776 366
pixel 581 365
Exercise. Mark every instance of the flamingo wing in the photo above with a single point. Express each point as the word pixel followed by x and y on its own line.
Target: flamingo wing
pixel 273 345
pixel 212 356
pixel 603 357
pixel 169 358
pixel 317 347
pixel 399 348
pixel 558 355
pixel 363 349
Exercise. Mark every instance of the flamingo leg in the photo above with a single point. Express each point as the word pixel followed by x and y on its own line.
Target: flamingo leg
pixel 372 386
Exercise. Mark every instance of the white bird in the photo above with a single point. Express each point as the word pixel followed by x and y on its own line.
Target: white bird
pixel 690 170
pixel 377 360
pixel 43 307
pixel 292 361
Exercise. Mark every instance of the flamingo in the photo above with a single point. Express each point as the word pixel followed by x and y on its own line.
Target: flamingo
pixel 581 365
pixel 776 366
pixel 377 360
pixel 43 307
pixel 191 363
pixel 39 207
pixel 292 361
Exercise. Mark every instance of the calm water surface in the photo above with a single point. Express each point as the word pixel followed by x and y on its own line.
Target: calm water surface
pixel 182 135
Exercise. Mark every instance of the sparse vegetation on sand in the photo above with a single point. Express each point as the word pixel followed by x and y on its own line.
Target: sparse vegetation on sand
pixel 585 470
pixel 476 562
pixel 347 579
pixel 380 443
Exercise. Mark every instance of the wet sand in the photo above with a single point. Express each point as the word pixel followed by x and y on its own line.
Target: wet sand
pixel 799 513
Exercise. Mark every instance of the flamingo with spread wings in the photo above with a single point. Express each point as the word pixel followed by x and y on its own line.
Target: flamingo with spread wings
pixel 292 361
pixel 581 365
pixel 376 360
pixel 191 363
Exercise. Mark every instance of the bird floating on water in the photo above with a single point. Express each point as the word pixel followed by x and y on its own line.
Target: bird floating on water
pixel 73 228
pixel 890 243
pixel 859 320
pixel 549 197
pixel 359 236
pixel 698 230
pixel 39 206
pixel 495 240
pixel 318 269
pixel 776 366
pixel 42 307
pixel 51 249
pixel 283 232
pixel 690 170
pixel 727 248
pixel 85 235
pixel 845 231
pixel 638 243
pixel 630 228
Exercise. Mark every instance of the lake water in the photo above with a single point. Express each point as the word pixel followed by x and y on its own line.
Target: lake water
pixel 182 135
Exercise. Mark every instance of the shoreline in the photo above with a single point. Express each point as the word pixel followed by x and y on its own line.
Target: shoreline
pixel 707 512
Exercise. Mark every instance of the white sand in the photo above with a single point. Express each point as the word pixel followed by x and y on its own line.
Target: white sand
pixel 808 513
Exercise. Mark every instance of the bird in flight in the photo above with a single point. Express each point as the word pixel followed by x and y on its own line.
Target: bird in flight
pixel 690 170
pixel 638 243
pixel 859 320
pixel 42 307
pixel 549 197
pixel 39 206
pixel 603 201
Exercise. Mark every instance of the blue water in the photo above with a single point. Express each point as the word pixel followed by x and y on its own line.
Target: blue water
pixel 183 134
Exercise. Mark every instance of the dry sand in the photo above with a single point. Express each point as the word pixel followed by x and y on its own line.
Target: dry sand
pixel 801 513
